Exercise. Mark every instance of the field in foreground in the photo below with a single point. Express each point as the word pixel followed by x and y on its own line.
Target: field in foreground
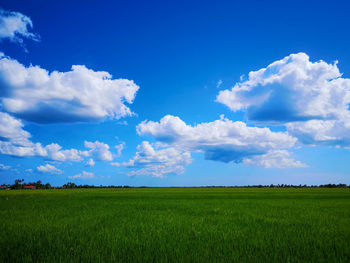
pixel 175 225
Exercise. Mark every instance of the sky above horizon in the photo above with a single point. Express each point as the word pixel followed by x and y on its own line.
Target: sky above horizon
pixel 184 93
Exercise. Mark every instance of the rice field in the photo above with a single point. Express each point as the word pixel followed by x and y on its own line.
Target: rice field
pixel 175 225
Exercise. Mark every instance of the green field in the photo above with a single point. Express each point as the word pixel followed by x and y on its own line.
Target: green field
pixel 175 225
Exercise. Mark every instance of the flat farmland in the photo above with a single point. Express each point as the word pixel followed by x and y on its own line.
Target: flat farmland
pixel 175 225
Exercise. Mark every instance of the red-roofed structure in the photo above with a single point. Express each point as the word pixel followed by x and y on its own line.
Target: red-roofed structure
pixel 29 187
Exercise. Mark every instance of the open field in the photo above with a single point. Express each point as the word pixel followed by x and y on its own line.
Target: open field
pixel 175 225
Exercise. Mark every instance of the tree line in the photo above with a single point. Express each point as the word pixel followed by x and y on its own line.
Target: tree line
pixel 20 184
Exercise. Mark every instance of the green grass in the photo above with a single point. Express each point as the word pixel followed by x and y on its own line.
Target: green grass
pixel 175 225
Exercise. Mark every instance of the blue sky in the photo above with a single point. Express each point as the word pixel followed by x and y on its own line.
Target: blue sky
pixel 175 93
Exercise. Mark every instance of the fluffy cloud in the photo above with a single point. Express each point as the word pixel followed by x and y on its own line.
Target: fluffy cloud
pixel 274 159
pixel 4 167
pixel 34 149
pixel 48 169
pixel 15 26
pixel 51 152
pixel 291 89
pixel 119 149
pixel 11 130
pixel 220 140
pixel 157 162
pixel 54 151
pixel 83 175
pixel 322 132
pixel 16 142
pixel 90 162
pixel 34 94
pixel 100 151
pixel 310 98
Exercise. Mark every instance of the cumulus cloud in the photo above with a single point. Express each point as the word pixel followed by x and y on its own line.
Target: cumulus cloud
pixel 4 167
pixel 291 89
pixel 83 175
pixel 274 159
pixel 54 151
pixel 11 130
pixel 16 27
pixel 23 147
pixel 322 132
pixel 119 149
pixel 100 151
pixel 8 148
pixel 90 162
pixel 51 152
pixel 48 168
pixel 33 94
pixel 157 162
pixel 310 98
pixel 16 142
pixel 220 140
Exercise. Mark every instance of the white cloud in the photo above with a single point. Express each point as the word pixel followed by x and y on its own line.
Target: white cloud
pixel 11 130
pixel 157 162
pixel 34 94
pixel 220 140
pixel 90 162
pixel 310 98
pixel 119 149
pixel 49 169
pixel 15 26
pixel 8 148
pixel 291 89
pixel 100 151
pixel 15 141
pixel 274 159
pixel 51 152
pixel 219 83
pixel 55 152
pixel 29 170
pixel 83 175
pixel 4 167
pixel 322 132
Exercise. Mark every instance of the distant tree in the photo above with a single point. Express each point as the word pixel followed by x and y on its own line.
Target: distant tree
pixel 69 185
pixel 17 184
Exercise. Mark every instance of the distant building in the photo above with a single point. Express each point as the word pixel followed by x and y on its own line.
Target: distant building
pixel 3 188
pixel 29 187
